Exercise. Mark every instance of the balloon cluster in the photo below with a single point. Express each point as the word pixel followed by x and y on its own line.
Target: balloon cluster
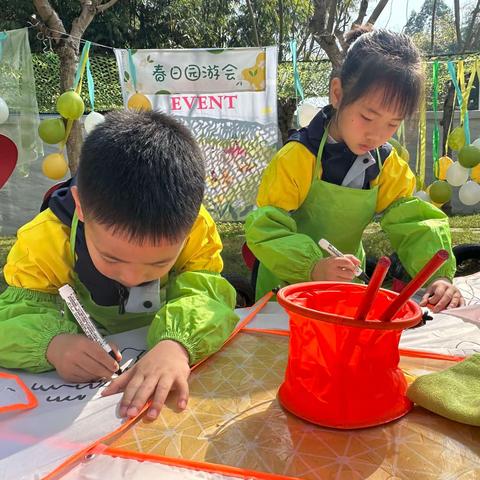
pixel 464 173
pixel 53 131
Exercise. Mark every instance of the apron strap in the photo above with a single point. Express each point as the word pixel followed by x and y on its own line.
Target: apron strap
pixel 318 163
pixel 73 234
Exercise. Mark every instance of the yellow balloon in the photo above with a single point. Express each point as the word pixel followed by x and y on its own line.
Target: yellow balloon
pixel 475 173
pixel 54 166
pixel 444 164
pixel 139 102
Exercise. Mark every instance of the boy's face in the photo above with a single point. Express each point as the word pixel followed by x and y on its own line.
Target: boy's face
pixel 116 257
pixel 364 124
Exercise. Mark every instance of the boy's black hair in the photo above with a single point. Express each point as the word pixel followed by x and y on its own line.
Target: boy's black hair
pixel 380 59
pixel 143 175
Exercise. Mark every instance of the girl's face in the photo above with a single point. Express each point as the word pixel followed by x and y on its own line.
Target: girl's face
pixel 364 124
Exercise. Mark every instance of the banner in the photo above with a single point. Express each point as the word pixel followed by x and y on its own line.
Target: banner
pixel 228 98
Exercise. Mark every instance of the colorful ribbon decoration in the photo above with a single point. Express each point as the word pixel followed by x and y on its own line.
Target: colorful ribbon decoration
pixel 133 72
pixel 436 129
pixel 421 145
pixel 296 76
pixel 3 37
pixel 77 86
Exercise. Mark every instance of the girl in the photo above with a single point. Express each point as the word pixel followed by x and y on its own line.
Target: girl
pixel 335 175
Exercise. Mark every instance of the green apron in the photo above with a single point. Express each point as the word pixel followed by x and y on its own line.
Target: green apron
pixel 334 212
pixel 108 319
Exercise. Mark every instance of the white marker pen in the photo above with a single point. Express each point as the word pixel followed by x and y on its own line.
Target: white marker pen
pixel 333 252
pixel 83 319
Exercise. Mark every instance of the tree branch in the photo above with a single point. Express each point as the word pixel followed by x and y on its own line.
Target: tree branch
pixel 105 6
pixel 362 11
pixel 458 31
pixel 254 22
pixel 50 18
pixel 332 11
pixel 377 11
pixel 432 31
pixel 470 28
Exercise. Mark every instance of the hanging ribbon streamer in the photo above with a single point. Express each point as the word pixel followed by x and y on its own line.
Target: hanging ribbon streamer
pixel 421 145
pixel 3 37
pixel 462 93
pixel 91 86
pixel 133 72
pixel 436 129
pixel 77 86
pixel 296 76
pixel 466 96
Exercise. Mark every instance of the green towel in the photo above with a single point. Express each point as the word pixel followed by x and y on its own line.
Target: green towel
pixel 453 393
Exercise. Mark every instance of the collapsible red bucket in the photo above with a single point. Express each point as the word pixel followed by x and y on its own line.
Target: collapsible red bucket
pixel 341 372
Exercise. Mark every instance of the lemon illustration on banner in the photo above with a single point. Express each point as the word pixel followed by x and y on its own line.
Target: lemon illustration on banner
pixel 255 75
pixel 440 192
pixel 139 102
pixel 456 138
pixel 70 105
pixel 469 156
pixel 54 166
pixel 52 130
pixel 444 163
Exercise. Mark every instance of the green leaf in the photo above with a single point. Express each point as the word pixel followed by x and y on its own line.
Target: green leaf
pixel 163 92
pixel 126 76
pixel 216 51
pixel 253 73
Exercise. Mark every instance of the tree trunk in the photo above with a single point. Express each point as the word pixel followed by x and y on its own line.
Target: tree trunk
pixel 458 30
pixel 68 48
pixel 280 30
pixel 432 32
pixel 254 22
pixel 377 11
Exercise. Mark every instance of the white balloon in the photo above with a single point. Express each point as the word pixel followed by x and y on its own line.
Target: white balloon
pixel 423 195
pixel 4 112
pixel 92 120
pixel 305 113
pixel 476 143
pixel 469 194
pixel 456 174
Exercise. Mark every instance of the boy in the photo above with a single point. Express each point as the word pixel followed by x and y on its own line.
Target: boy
pixel 129 233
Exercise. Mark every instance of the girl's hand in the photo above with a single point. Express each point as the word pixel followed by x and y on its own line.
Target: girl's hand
pixel 340 269
pixel 442 295
pixel 163 369
pixel 79 359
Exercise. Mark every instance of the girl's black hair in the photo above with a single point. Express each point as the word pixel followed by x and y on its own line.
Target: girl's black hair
pixel 381 59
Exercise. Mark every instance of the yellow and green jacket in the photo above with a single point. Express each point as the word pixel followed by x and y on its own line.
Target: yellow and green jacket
pixel 196 301
pixel 416 229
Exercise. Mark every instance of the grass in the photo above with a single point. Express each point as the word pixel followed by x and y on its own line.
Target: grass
pixel 465 229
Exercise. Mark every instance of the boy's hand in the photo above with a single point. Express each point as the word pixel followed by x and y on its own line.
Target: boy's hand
pixel 441 294
pixel 340 269
pixel 161 370
pixel 79 359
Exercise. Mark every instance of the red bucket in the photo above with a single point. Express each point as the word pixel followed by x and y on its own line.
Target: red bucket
pixel 343 373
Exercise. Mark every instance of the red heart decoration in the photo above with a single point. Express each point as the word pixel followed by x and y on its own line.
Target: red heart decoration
pixel 8 158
